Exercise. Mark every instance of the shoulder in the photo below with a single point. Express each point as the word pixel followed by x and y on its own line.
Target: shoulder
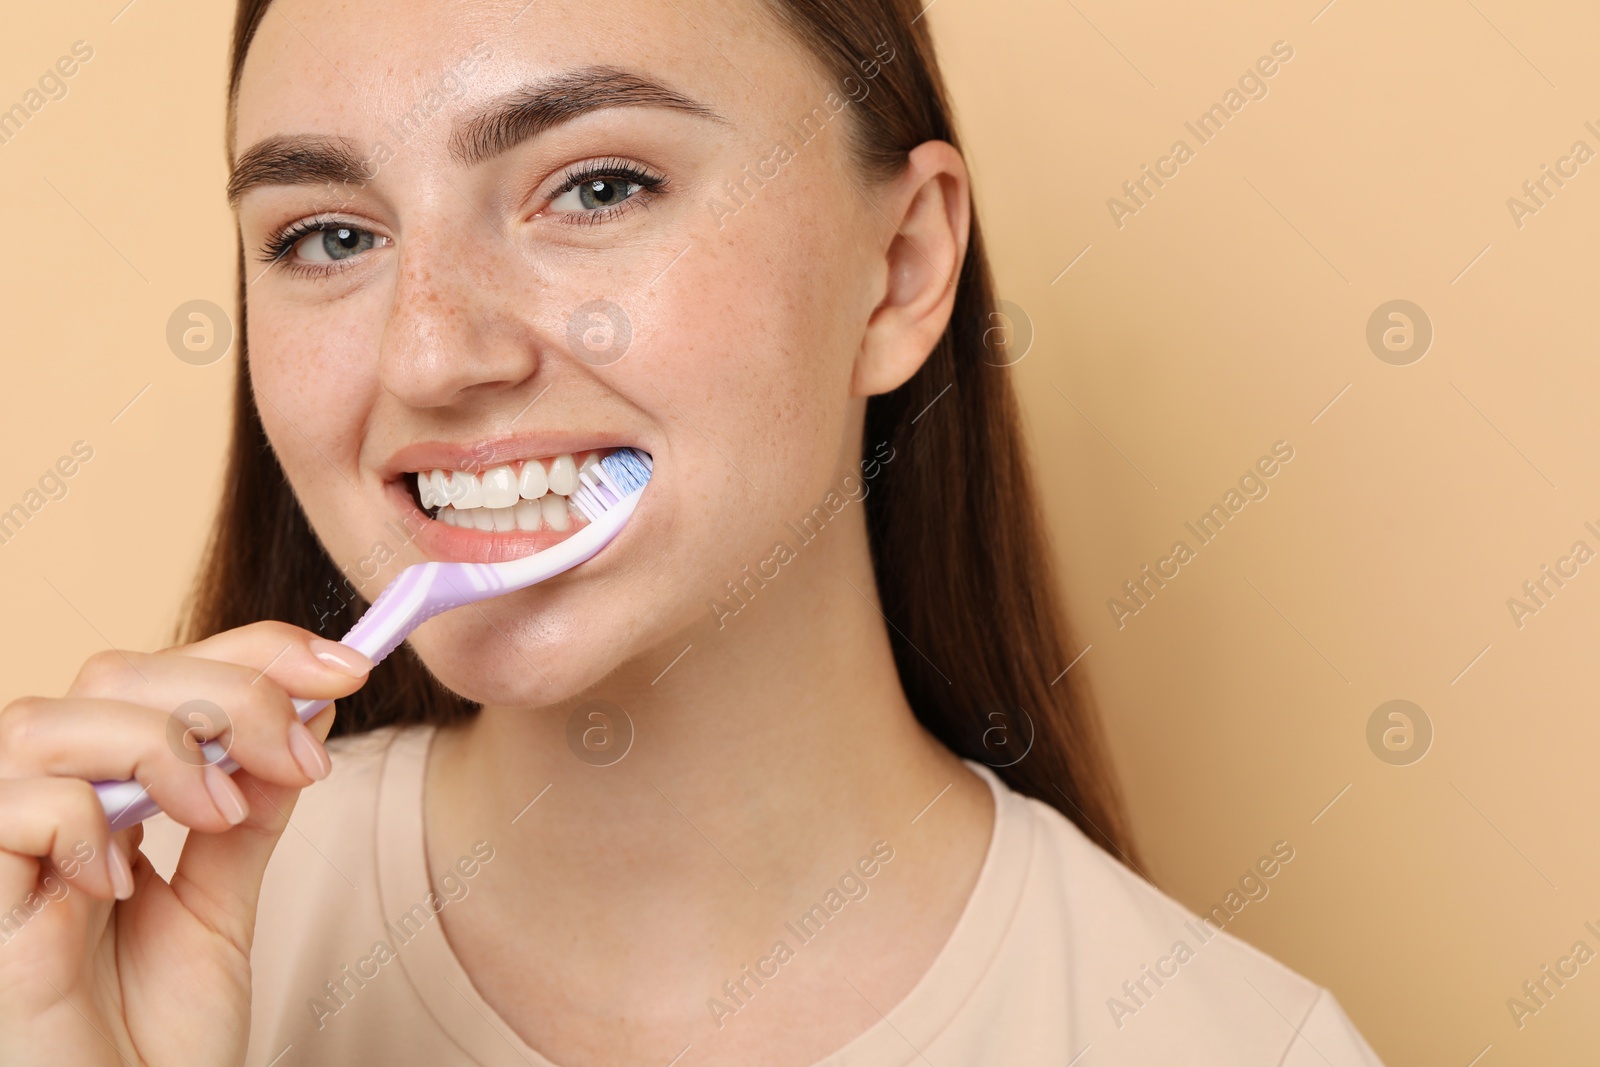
pixel 1144 974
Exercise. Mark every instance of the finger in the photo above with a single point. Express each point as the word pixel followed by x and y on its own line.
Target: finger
pixel 211 699
pixel 58 821
pixel 218 876
pixel 296 661
pixel 250 701
pixel 98 740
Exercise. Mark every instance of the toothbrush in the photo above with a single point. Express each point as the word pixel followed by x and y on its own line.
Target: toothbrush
pixel 606 497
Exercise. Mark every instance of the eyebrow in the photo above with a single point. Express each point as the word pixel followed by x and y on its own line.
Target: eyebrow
pixel 508 120
pixel 495 128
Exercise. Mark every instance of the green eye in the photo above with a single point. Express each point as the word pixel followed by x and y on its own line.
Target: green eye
pixel 603 189
pixel 334 243
pixel 595 193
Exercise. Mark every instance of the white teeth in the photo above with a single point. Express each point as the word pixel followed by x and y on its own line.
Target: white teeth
pixel 553 508
pixel 464 491
pixel 563 476
pixel 499 487
pixel 505 498
pixel 533 483
pixel 550 512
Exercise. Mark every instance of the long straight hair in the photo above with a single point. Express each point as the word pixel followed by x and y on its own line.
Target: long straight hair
pixel 963 568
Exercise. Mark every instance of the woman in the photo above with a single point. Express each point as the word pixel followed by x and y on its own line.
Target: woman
pixel 790 773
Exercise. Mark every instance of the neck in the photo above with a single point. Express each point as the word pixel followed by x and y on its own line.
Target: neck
pixel 783 721
pixel 768 762
pixel 778 746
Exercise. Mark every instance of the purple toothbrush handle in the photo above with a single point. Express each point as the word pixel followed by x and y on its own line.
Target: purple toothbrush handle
pixel 423 590
pixel 418 594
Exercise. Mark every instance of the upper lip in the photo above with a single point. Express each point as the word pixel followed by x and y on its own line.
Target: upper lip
pixel 484 453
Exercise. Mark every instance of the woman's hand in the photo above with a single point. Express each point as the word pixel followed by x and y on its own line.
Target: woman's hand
pixel 102 962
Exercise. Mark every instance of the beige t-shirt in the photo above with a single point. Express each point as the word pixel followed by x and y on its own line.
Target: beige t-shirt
pixel 1033 973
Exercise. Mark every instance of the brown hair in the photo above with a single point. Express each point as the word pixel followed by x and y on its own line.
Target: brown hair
pixel 978 634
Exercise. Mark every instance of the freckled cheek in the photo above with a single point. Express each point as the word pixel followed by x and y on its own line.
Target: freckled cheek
pixel 309 371
pixel 738 369
pixel 748 318
pixel 313 406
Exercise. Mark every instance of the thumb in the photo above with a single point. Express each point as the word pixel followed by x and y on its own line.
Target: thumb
pixel 218 877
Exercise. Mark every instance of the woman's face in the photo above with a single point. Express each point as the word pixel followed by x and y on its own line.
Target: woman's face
pixel 489 235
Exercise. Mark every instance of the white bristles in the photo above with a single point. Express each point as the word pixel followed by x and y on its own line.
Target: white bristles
pixel 600 487
pixel 589 499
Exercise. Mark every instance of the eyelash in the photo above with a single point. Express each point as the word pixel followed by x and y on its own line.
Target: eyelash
pixel 650 186
pixel 281 243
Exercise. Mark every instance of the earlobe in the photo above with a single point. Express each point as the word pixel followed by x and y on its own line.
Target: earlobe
pixel 929 204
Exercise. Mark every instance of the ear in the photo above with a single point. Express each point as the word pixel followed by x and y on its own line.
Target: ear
pixel 929 206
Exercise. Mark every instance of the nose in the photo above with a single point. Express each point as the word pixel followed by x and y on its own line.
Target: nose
pixel 454 330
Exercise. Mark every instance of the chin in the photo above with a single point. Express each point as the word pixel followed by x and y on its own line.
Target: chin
pixel 545 646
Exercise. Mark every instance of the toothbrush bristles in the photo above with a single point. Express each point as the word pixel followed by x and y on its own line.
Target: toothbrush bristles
pixel 619 474
pixel 628 468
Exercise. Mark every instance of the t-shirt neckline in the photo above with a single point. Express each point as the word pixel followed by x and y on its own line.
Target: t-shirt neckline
pixel 448 995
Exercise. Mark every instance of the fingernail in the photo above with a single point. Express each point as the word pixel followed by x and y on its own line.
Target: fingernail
pixel 121 872
pixel 308 752
pixel 339 657
pixel 225 794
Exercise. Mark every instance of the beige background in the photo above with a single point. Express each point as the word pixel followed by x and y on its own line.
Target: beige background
pixel 1223 316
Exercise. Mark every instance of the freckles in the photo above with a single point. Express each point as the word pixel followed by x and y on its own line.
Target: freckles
pixel 272 374
pixel 755 323
pixel 311 396
pixel 290 363
pixel 794 403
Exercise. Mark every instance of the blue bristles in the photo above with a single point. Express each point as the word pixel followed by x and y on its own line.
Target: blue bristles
pixel 628 467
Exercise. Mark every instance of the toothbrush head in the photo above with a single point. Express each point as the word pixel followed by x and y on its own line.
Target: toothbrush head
pixel 619 475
